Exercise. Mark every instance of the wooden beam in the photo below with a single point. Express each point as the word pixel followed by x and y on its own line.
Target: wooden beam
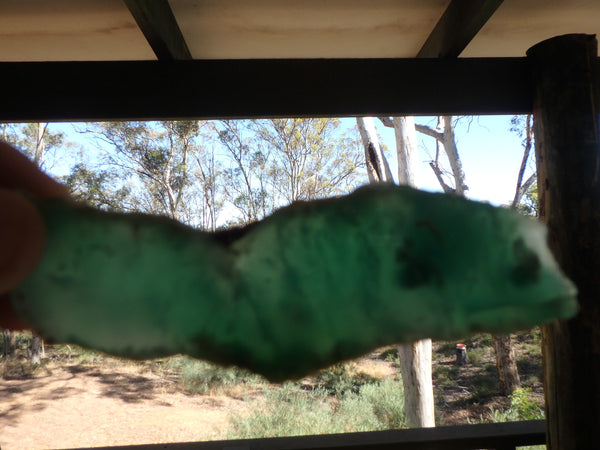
pixel 156 20
pixel 567 142
pixel 490 435
pixel 208 89
pixel 459 24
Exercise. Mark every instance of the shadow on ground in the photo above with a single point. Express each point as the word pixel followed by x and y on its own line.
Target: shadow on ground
pixel 128 387
pixel 25 390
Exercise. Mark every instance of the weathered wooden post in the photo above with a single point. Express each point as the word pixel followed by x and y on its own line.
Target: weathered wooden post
pixel 566 106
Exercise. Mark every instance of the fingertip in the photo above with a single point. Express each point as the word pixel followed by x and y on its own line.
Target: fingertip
pixel 18 172
pixel 21 239
pixel 9 319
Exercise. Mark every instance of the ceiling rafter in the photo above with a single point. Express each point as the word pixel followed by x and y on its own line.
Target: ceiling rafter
pixel 459 24
pixel 157 21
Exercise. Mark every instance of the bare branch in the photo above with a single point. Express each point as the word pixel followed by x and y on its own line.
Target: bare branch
pixel 525 187
pixel 387 121
pixel 440 177
pixel 429 131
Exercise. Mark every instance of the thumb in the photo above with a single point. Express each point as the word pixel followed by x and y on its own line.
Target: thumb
pixel 21 239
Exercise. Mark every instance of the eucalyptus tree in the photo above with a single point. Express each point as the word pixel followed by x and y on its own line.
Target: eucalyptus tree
pixel 98 188
pixel 157 158
pixel 274 162
pixel 245 170
pixel 310 157
pixel 209 187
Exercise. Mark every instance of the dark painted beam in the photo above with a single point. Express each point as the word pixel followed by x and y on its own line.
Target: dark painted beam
pixel 205 89
pixel 488 435
pixel 459 24
pixel 156 20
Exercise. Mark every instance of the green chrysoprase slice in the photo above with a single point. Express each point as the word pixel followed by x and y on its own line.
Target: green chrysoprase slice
pixel 314 283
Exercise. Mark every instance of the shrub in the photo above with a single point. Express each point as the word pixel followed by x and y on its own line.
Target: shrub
pixel 338 380
pixel 496 416
pixel 524 406
pixel 387 402
pixel 389 354
pixel 201 377
pixel 477 355
pixel 290 411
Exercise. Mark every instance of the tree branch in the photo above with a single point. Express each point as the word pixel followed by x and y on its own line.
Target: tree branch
pixel 387 121
pixel 439 175
pixel 528 140
pixel 429 132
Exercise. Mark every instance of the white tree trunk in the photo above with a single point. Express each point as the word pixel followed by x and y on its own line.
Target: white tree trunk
pixel 406 149
pixel 415 358
pixel 449 142
pixel 378 168
pixel 38 157
pixel 415 365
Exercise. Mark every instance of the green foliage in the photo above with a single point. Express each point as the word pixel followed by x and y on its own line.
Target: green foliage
pixel 286 412
pixel 201 377
pixel 496 416
pixel 386 398
pixel 524 406
pixel 390 354
pixel 291 411
pixel 529 201
pixel 477 355
pixel 338 380
pixel 96 188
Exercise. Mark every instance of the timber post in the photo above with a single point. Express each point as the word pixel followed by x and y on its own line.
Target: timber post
pixel 566 106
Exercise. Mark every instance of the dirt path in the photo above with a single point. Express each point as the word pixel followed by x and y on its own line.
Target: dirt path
pixel 86 406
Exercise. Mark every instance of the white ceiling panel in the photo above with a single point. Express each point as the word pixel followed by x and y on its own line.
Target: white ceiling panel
pixel 519 24
pixel 76 30
pixel 306 28
pixel 69 30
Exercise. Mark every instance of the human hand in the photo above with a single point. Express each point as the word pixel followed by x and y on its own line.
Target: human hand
pixel 21 226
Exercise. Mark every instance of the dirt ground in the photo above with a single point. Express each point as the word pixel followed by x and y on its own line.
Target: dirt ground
pixel 70 406
pixel 65 405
